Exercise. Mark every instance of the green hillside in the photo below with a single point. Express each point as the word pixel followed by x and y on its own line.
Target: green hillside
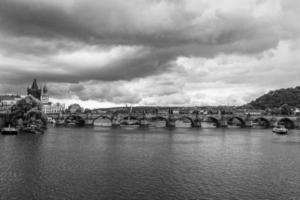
pixel 277 98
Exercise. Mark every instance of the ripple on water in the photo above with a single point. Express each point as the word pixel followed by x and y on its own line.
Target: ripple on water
pixel 155 164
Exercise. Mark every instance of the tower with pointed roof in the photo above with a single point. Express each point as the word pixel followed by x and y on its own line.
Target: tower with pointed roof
pixel 34 90
pixel 45 96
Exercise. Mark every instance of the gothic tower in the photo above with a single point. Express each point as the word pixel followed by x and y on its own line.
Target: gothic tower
pixel 45 96
pixel 34 90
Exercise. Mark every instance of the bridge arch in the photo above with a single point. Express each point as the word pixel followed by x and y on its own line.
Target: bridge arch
pixel 212 120
pixel 184 122
pixel 236 121
pixel 129 120
pixel 261 121
pixel 158 121
pixel 103 120
pixel 74 120
pixel 288 123
pixel 159 118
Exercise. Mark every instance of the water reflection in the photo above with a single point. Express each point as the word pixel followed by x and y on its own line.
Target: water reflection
pixel 157 163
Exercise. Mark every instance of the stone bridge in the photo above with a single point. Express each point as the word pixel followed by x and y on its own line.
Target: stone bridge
pixel 195 119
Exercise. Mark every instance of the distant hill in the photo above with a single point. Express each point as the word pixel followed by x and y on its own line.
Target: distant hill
pixel 277 98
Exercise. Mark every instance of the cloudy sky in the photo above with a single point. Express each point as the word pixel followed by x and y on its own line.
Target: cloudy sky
pixel 150 52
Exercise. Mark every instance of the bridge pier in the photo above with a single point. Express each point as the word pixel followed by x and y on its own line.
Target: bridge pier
pixel 248 123
pixel 116 121
pixel 171 123
pixel 223 123
pixel 197 123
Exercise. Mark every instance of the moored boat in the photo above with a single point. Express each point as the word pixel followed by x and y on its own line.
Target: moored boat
pixel 33 129
pixel 157 123
pixel 103 122
pixel 51 120
pixel 9 130
pixel 259 125
pixel 60 122
pixel 144 123
pixel 206 124
pixel 183 123
pixel 130 123
pixel 280 130
pixel 234 126
pixel 70 124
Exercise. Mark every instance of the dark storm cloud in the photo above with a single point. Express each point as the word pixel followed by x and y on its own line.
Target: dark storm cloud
pixel 150 63
pixel 72 41
pixel 37 19
pixel 109 23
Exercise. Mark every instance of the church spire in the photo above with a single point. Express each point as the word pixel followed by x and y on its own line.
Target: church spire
pixel 45 89
pixel 34 90
pixel 34 85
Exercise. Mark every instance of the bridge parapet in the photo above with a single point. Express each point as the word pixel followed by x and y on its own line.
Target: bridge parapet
pixel 196 118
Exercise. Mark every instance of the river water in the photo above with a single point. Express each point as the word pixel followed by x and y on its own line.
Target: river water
pixel 116 164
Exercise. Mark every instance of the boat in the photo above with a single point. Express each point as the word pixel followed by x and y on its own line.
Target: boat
pixel 74 121
pixel 144 123
pixel 9 130
pixel 157 123
pixel 60 122
pixel 234 126
pixel 103 122
pixel 280 129
pixel 259 125
pixel 130 122
pixel 51 120
pixel 183 123
pixel 206 124
pixel 70 124
pixel 33 129
pixel 130 126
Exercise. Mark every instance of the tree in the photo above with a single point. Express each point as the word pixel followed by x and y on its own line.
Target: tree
pixel 276 111
pixel 289 96
pixel 75 108
pixel 87 111
pixel 286 109
pixel 27 112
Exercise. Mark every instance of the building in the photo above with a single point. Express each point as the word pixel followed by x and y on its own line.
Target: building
pixel 254 112
pixel 53 108
pixel 45 96
pixel 47 106
pixel 34 90
pixel 164 111
pixel 8 100
pixel 296 111
pixel 176 111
